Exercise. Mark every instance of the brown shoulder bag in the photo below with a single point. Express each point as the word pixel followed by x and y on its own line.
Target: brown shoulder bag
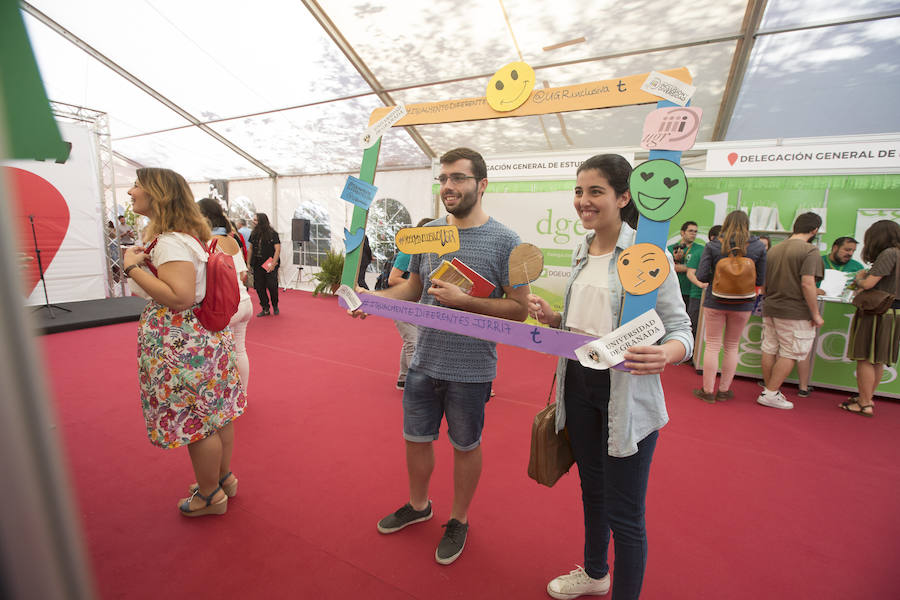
pixel 876 302
pixel 551 453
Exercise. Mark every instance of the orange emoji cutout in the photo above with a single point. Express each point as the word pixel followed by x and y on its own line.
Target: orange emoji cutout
pixel 510 87
pixel 642 268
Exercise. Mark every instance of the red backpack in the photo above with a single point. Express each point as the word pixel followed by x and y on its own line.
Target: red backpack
pixel 222 295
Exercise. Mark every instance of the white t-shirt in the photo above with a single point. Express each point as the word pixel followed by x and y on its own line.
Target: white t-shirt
pixel 240 266
pixel 175 246
pixel 589 310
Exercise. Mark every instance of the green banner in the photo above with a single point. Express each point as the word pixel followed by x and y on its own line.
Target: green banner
pixel 31 131
pixel 709 199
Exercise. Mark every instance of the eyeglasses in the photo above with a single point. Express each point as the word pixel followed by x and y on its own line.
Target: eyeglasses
pixel 456 178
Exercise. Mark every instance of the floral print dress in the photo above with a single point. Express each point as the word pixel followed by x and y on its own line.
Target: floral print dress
pixel 189 380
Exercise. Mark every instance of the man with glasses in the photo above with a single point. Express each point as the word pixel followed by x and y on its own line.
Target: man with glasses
pixel 451 374
pixel 686 254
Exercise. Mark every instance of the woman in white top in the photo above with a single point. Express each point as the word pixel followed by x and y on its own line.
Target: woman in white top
pixel 612 416
pixel 224 232
pixel 190 387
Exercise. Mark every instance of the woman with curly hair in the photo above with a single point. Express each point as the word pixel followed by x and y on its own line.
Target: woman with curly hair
pixel 190 387
pixel 875 338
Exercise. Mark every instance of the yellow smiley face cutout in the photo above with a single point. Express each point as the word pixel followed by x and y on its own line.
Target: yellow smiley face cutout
pixel 510 87
pixel 642 268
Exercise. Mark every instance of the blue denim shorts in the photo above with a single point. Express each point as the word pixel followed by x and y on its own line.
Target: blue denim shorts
pixel 426 400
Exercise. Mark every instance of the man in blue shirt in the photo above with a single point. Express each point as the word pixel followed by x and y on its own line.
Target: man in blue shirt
pixel 451 374
pixel 244 230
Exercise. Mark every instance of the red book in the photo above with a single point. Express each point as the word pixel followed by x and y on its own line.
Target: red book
pixel 481 287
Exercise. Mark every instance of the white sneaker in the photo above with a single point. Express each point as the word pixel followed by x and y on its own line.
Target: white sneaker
pixel 577 583
pixel 778 401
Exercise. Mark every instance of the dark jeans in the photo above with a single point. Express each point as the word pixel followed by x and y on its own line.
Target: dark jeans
pixel 264 282
pixel 613 490
pixel 692 306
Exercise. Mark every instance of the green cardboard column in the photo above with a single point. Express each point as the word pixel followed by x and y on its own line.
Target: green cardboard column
pixel 31 131
pixel 367 174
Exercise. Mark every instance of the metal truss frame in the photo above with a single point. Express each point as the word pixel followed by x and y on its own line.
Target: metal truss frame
pixel 98 122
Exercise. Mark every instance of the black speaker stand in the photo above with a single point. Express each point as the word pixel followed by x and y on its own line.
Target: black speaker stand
pixel 37 252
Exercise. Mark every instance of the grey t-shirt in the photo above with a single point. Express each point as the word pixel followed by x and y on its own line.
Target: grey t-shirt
pixel 450 356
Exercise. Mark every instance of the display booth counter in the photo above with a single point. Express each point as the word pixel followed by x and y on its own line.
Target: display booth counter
pixel 830 366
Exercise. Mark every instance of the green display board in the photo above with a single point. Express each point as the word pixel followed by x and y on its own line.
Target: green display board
pixel 711 198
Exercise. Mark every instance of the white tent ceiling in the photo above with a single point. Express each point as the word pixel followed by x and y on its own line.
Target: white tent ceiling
pixel 230 89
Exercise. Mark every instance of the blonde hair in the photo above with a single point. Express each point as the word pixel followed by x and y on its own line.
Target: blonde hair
pixel 174 208
pixel 735 232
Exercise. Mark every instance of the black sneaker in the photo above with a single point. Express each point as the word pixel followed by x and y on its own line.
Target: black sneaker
pixel 405 515
pixel 275 311
pixel 805 393
pixel 263 313
pixel 452 543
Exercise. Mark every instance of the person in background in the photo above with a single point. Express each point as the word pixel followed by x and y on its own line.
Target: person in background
pixel 190 387
pixel 686 254
pixel 766 242
pixel 840 259
pixel 112 250
pixel 124 232
pixel 408 332
pixel 714 232
pixel 790 310
pixel 241 241
pixel 875 339
pixel 244 230
pixel 612 416
pixel 223 231
pixel 265 244
pixel 365 259
pixel 721 318
pixel 841 256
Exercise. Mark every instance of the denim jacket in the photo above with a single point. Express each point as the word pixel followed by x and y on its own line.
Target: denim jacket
pixel 636 403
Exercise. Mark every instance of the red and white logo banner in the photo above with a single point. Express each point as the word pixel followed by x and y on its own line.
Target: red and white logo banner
pixel 863 155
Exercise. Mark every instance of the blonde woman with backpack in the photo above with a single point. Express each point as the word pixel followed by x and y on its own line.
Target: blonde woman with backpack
pixel 725 319
pixel 190 387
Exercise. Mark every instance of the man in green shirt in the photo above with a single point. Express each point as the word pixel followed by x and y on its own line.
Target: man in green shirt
pixel 686 254
pixel 841 256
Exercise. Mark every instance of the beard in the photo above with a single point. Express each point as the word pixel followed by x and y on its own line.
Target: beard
pixel 464 205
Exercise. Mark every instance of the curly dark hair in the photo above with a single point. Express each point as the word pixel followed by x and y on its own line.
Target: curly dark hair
pixel 880 236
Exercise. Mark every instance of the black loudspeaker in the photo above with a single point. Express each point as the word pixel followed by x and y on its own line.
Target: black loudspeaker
pixel 299 230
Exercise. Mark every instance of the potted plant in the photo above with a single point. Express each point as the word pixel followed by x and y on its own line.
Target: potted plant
pixel 329 275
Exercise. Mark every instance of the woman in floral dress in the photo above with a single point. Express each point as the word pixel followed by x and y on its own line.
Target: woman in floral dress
pixel 190 388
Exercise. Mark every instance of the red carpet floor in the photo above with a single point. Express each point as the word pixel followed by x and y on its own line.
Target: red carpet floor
pixel 745 502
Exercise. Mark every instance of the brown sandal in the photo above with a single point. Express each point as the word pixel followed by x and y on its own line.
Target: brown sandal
pixel 229 489
pixel 211 508
pixel 864 411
